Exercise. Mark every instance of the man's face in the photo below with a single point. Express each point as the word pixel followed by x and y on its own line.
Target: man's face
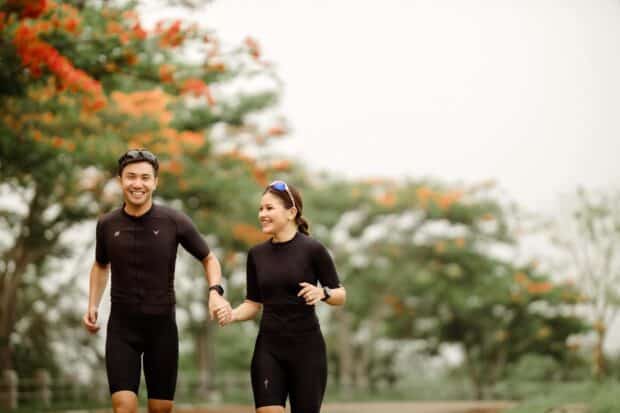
pixel 138 182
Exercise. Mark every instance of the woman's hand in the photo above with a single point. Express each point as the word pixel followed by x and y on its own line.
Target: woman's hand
pixel 311 293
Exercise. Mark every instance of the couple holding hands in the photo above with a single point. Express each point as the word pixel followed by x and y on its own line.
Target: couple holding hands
pixel 138 243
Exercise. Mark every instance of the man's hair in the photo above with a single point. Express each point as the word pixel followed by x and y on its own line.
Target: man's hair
pixel 137 155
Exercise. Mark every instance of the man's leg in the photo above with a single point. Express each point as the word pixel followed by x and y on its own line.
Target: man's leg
pixel 161 358
pixel 125 401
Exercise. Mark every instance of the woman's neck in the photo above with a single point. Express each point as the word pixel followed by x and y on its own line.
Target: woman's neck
pixel 287 234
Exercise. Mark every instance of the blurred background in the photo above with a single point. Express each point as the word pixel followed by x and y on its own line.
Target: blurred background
pixel 458 159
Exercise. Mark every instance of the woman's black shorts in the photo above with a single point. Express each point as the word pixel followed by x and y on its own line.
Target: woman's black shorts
pixel 134 336
pixel 290 365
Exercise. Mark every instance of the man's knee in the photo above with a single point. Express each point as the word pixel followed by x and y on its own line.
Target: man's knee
pixel 125 402
pixel 160 406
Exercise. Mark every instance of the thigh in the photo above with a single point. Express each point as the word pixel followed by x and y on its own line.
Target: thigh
pixel 122 357
pixel 161 358
pixel 308 374
pixel 269 380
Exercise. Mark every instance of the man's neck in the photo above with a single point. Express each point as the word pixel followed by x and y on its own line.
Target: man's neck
pixel 139 210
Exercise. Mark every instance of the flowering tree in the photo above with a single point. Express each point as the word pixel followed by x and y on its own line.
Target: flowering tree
pixel 423 261
pixel 82 82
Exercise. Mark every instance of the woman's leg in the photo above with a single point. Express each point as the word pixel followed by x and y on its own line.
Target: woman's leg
pixel 308 374
pixel 269 384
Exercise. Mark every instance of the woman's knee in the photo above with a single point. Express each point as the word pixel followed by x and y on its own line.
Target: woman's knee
pixel 160 406
pixel 270 409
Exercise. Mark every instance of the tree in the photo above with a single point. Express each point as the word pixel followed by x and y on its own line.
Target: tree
pixel 419 261
pixel 80 82
pixel 591 240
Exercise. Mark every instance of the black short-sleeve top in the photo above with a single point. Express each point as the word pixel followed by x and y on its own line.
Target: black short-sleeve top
pixel 274 271
pixel 142 252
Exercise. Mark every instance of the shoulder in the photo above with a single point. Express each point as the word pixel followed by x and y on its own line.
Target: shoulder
pixel 260 248
pixel 312 244
pixel 166 212
pixel 111 216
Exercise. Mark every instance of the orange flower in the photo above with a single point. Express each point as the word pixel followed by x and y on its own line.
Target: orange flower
pixel 459 242
pixel 423 194
pixel 281 166
pixel 166 72
pixel 253 46
pixel 276 131
pixel 260 176
pixel 71 25
pixel 114 27
pixel 57 142
pixel 173 166
pixel 131 58
pixel 440 247
pixel 139 32
pixel 248 234
pixel 445 201
pixel 387 199
pixel 539 288
pixel 195 86
pixel 192 138
pixel 173 36
pixel 521 278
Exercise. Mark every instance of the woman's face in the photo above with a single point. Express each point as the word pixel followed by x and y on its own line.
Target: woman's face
pixel 272 214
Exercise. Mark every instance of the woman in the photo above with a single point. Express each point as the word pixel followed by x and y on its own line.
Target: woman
pixel 282 274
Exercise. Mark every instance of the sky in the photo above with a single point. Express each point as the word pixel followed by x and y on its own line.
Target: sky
pixel 523 92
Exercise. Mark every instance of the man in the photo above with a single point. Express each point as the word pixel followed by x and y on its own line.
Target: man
pixel 139 242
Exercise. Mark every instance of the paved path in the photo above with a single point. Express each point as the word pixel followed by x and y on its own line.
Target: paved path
pixel 379 407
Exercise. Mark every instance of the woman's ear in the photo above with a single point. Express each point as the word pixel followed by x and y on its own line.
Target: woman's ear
pixel 292 213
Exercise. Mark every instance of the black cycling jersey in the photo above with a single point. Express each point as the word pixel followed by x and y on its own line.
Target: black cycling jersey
pixel 274 271
pixel 142 251
pixel 289 358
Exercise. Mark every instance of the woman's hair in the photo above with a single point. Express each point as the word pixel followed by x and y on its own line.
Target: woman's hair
pixel 302 224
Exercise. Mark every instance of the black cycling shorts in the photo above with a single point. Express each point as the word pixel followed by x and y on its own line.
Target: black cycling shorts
pixel 134 336
pixel 290 365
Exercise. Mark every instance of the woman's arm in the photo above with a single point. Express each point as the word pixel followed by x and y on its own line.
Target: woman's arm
pixel 337 296
pixel 244 311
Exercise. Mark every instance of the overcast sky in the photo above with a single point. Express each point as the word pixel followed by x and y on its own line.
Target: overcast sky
pixel 526 92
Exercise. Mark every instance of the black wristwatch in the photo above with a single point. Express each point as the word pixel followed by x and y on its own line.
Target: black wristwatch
pixel 328 293
pixel 218 288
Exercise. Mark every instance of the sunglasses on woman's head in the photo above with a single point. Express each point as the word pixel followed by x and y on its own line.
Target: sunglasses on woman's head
pixel 281 186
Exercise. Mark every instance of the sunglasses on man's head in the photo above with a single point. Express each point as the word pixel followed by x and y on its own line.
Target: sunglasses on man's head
pixel 137 154
pixel 281 186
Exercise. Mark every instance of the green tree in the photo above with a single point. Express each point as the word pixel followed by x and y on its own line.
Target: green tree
pixel 80 82
pixel 590 238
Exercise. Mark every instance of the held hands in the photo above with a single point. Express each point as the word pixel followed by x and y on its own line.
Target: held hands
pixel 311 293
pixel 219 308
pixel 90 320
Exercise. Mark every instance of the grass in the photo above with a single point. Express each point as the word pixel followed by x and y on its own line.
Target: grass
pixel 600 397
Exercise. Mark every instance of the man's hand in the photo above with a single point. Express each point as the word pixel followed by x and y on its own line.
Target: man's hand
pixel 311 293
pixel 219 308
pixel 90 320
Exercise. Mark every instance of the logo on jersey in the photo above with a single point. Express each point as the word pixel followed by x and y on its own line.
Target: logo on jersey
pixel 266 383
pixel 117 233
pixel 156 231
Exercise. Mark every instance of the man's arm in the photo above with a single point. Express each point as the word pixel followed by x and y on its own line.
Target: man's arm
pixel 213 273
pixel 99 275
